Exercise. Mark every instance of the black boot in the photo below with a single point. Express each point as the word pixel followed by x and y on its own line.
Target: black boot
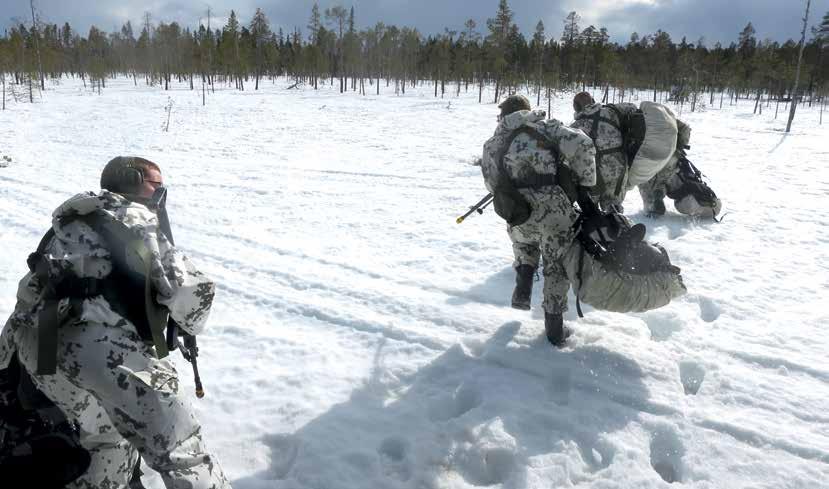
pixel 557 332
pixel 658 206
pixel 523 287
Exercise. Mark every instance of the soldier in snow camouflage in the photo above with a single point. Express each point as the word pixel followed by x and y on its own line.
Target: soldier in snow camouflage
pixel 108 378
pixel 548 231
pixel 602 125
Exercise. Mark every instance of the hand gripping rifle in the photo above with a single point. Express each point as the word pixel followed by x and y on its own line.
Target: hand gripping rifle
pixel 479 207
pixel 188 347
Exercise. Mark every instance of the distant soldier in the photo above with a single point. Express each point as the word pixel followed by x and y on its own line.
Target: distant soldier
pixel 86 330
pixel 527 165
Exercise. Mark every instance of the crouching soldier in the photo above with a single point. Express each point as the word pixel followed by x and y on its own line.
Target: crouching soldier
pixel 603 123
pixel 682 182
pixel 527 165
pixel 88 328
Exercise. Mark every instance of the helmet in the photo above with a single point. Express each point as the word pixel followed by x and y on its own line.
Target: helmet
pixel 514 103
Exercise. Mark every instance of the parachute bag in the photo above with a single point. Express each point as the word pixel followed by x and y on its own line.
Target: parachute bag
pixel 39 447
pixel 612 268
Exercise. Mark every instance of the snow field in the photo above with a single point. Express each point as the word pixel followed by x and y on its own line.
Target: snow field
pixel 360 338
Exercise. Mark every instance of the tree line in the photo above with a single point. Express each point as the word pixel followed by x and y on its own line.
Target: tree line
pixel 332 50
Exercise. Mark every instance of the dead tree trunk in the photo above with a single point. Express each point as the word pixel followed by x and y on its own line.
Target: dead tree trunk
pixel 37 46
pixel 799 62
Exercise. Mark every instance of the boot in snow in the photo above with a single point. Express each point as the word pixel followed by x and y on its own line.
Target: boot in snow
pixel 557 332
pixel 657 208
pixel 523 287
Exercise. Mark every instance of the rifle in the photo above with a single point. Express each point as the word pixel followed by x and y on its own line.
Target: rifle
pixel 189 347
pixel 479 207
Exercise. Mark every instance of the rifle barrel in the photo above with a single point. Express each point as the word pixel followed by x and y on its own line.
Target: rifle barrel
pixel 477 207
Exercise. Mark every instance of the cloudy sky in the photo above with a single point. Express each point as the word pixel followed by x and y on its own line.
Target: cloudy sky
pixel 715 20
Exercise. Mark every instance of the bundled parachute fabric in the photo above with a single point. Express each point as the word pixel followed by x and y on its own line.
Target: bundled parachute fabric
pixel 39 447
pixel 658 145
pixel 691 195
pixel 612 268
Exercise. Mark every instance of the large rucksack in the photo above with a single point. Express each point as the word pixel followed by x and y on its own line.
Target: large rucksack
pixel 612 268
pixel 693 196
pixel 127 289
pixel 649 137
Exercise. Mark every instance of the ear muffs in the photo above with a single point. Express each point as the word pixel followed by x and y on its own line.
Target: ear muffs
pixel 130 177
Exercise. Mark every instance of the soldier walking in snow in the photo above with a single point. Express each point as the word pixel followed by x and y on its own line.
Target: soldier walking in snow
pixel 527 165
pixel 88 329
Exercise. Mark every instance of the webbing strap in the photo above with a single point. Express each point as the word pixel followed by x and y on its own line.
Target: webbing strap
pixel 49 319
pixel 537 181
pixel 581 269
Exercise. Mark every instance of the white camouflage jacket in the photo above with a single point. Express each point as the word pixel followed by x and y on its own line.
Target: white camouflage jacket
pixel 180 287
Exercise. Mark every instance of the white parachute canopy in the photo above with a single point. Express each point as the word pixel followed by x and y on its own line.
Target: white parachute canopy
pixel 659 144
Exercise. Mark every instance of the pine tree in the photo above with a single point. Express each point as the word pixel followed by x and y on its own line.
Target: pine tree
pixel 230 38
pixel 260 31
pixel 337 16
pixel 498 38
pixel 569 38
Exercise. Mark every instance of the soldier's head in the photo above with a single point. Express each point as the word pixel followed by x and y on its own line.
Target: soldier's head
pixel 582 100
pixel 131 175
pixel 513 103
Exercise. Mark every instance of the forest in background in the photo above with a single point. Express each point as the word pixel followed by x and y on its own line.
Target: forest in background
pixel 331 50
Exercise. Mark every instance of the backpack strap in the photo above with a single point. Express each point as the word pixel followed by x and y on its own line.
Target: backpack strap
pixel 53 290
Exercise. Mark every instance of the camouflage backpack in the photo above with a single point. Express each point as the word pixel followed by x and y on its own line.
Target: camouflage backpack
pixel 509 203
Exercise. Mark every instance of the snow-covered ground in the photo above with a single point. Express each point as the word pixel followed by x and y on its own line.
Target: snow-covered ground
pixel 362 339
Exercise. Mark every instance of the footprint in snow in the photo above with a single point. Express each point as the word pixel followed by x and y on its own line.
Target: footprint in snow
pixel 709 311
pixel 394 458
pixel 487 467
pixel 667 451
pixel 691 374
pixel 465 398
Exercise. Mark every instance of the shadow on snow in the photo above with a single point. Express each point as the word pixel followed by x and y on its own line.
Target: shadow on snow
pixel 477 413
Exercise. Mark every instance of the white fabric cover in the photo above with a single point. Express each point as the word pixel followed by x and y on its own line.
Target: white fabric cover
pixel 659 144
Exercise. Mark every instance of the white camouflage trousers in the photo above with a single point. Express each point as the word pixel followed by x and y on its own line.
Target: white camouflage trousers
pixel 546 234
pixel 655 189
pixel 127 403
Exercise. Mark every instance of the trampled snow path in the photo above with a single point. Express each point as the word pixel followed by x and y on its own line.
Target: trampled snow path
pixel 361 339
